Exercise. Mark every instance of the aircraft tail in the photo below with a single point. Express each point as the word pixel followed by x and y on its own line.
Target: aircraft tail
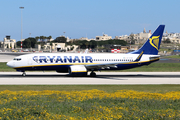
pixel 152 45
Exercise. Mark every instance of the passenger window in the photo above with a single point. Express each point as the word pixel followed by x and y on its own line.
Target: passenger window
pixel 17 59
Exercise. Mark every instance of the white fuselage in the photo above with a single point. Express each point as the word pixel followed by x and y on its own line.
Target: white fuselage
pixel 45 60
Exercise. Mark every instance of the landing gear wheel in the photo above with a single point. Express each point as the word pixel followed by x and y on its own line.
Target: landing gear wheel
pixel 24 74
pixel 93 74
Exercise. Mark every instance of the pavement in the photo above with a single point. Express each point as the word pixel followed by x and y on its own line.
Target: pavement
pixel 107 78
pixel 6 58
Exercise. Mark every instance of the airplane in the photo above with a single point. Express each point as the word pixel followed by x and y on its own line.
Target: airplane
pixel 80 64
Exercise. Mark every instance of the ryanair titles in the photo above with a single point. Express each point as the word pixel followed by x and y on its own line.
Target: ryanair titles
pixel 62 59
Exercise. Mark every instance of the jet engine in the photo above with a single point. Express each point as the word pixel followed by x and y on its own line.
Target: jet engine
pixel 77 70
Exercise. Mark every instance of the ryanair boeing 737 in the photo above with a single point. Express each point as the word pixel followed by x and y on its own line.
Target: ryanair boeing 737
pixel 80 64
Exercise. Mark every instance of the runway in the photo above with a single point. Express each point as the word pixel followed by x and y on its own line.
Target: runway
pixel 103 78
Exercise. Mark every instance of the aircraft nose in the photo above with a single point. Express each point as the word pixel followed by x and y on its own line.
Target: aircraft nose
pixel 10 64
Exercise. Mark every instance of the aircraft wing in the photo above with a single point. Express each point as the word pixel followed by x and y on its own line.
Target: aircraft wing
pixel 102 65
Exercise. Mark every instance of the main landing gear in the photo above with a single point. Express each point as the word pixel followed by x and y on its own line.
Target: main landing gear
pixel 93 74
pixel 24 74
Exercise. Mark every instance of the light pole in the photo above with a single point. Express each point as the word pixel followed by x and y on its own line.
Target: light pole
pixel 21 26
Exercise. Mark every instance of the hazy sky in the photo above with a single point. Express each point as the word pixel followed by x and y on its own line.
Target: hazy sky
pixel 81 18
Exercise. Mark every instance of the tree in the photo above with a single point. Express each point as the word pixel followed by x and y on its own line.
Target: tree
pixel 37 38
pixel 83 44
pixel 87 44
pixel 42 38
pixel 120 42
pixel 33 42
pixel 167 40
pixel 61 39
pixel 93 44
pixel 18 43
pixel 29 42
pixel 26 43
pixel 49 37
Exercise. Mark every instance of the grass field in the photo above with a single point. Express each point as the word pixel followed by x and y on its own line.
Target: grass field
pixel 91 102
pixel 154 67
pixel 89 105
pixel 157 67
pixel 106 88
pixel 5 68
pixel 173 56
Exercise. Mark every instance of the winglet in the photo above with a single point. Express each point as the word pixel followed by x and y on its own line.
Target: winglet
pixel 139 57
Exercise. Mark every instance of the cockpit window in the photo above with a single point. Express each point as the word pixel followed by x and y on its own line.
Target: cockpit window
pixel 17 59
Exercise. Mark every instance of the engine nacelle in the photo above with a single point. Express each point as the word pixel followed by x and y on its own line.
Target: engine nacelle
pixel 79 70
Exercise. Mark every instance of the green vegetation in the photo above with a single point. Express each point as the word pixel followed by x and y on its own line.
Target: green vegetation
pixel 5 68
pixel 173 56
pixel 154 67
pixel 60 39
pixel 167 40
pixel 163 49
pixel 83 44
pixel 27 43
pixel 96 44
pixel 89 105
pixel 106 88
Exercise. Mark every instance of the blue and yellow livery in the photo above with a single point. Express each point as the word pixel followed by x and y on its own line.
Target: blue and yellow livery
pixel 80 64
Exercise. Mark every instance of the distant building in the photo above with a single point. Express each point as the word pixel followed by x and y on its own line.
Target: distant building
pixel 104 37
pixel 123 37
pixel 139 37
pixel 8 43
pixel 57 47
pixel 84 38
pixel 173 37
pixel 142 37
pixel 68 39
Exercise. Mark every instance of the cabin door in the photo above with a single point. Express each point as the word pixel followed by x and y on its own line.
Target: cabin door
pixel 29 61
